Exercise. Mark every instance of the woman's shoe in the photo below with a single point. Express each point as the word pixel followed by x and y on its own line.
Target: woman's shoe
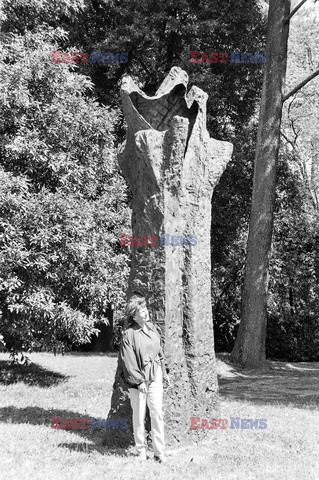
pixel 141 456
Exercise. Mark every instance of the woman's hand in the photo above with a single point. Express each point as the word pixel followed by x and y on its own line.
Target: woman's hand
pixel 166 379
pixel 142 388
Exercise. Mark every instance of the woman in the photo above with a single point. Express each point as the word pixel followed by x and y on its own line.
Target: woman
pixel 143 367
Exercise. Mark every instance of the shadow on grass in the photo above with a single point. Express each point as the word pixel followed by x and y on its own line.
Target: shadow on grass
pixel 296 384
pixel 32 375
pixel 93 439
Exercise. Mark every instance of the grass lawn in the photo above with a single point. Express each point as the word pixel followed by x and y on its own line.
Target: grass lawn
pixel 79 385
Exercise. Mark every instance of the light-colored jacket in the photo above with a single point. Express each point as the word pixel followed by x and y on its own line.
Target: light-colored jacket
pixel 141 354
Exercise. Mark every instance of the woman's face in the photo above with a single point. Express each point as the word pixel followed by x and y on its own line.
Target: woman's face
pixel 141 316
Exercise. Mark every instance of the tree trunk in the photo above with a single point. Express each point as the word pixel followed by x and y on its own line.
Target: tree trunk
pixel 314 183
pixel 250 345
pixel 172 166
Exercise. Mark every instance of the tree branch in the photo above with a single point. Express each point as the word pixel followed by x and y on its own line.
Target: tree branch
pixel 295 10
pixel 302 84
pixel 303 170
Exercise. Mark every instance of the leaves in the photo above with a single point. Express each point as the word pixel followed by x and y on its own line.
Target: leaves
pixel 62 201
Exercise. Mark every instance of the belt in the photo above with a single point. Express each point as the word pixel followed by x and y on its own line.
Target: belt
pixel 153 365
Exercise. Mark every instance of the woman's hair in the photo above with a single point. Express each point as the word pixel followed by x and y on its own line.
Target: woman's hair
pixel 135 301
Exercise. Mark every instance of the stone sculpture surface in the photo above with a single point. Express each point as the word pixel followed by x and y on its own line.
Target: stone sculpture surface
pixel 172 166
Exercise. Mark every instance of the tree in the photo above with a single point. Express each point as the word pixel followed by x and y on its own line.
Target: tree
pixel 250 345
pixel 293 326
pixel 62 200
pixel 158 35
pixel 249 348
pixel 293 299
pixel 301 110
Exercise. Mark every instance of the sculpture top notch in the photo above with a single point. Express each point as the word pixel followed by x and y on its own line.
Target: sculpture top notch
pixel 170 100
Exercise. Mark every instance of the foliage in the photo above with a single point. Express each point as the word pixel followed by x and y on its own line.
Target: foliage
pixel 63 204
pixel 157 35
pixel 62 200
pixel 293 325
pixel 230 216
pixel 293 330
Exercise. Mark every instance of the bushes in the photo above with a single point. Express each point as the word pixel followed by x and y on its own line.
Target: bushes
pixel 293 301
pixel 62 201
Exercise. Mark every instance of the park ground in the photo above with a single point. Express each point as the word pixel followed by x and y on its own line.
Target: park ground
pixel 79 385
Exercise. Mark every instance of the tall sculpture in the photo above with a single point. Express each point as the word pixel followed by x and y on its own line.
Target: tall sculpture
pixel 172 166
